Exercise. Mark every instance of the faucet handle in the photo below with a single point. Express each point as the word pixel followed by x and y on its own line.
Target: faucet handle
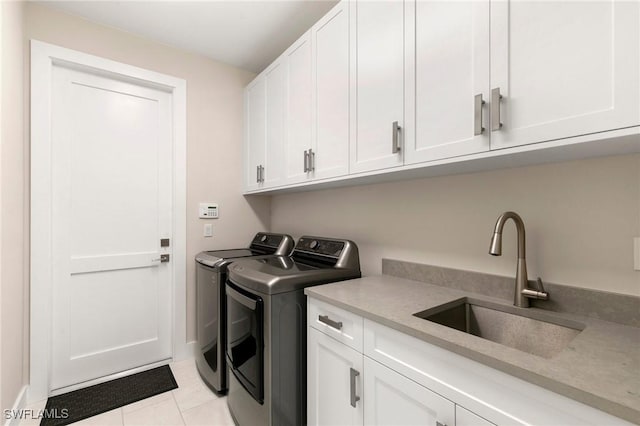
pixel 540 293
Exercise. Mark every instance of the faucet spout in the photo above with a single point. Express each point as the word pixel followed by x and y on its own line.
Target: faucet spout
pixel 522 293
pixel 496 240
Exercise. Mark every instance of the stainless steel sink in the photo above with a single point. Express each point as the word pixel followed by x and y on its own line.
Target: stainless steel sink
pixel 527 330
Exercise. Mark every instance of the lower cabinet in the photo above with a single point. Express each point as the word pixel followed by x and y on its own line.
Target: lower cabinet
pixel 341 382
pixel 360 372
pixel 392 399
pixel 346 388
pixel 333 381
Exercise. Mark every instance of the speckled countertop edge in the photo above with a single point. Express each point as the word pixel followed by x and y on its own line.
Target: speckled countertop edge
pixel 600 367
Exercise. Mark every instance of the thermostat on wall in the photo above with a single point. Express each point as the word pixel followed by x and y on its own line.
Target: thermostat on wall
pixel 208 211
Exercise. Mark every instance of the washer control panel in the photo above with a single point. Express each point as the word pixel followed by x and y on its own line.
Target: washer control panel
pixel 320 246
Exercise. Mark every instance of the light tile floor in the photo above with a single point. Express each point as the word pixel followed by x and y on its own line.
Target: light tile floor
pixel 193 403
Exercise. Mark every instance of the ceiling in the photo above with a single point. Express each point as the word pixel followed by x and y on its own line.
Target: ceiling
pixel 246 34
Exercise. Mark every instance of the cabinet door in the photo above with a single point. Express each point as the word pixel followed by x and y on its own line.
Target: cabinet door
pixel 297 61
pixel 330 366
pixel 392 399
pixel 377 49
pixel 331 92
pixel 255 132
pixel 564 68
pixel 275 124
pixel 449 79
pixel 467 418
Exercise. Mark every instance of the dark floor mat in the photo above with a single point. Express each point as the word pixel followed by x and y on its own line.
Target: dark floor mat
pixel 83 403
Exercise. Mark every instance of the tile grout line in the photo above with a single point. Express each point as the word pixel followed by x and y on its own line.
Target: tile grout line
pixel 178 407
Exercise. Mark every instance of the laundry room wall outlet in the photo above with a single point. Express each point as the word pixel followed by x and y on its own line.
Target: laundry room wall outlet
pixel 208 230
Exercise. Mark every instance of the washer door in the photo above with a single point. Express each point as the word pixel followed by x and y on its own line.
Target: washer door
pixel 245 339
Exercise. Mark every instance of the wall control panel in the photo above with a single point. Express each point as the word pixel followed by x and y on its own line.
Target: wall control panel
pixel 208 211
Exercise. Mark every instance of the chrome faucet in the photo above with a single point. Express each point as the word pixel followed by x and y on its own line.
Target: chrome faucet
pixel 523 293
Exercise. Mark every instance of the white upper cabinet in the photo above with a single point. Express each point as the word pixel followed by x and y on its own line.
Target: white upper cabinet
pixel 275 81
pixel 563 68
pixel 330 38
pixel 297 60
pixel 447 66
pixel 396 86
pixel 377 84
pixel 255 132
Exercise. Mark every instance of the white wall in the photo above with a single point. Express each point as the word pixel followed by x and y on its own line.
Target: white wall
pixel 12 216
pixel 580 219
pixel 214 126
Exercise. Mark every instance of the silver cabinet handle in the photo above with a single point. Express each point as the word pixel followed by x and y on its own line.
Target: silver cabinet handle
pixel 478 106
pixel 306 161
pixel 352 375
pixel 496 124
pixel 331 323
pixel 258 174
pixel 312 160
pixel 395 137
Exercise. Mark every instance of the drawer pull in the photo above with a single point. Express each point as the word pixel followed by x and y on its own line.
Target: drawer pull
pixel 331 323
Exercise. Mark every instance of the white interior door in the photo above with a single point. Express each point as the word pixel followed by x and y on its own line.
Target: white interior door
pixel 111 205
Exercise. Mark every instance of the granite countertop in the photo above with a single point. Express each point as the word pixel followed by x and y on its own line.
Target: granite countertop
pixel 600 367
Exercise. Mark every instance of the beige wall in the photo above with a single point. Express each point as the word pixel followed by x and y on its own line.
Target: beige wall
pixel 12 216
pixel 580 219
pixel 214 126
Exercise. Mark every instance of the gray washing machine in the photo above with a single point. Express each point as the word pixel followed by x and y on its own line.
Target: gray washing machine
pixel 266 328
pixel 211 274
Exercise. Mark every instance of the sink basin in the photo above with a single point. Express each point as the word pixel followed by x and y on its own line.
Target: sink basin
pixel 527 330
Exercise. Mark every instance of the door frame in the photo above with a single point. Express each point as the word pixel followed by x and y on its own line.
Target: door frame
pixel 43 57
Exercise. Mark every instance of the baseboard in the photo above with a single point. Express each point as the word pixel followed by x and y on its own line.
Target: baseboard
pixel 18 405
pixel 186 351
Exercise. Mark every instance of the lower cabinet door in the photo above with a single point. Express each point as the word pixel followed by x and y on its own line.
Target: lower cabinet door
pixel 465 417
pixel 334 382
pixel 392 399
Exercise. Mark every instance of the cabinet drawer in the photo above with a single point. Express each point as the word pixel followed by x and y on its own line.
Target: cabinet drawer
pixel 335 322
